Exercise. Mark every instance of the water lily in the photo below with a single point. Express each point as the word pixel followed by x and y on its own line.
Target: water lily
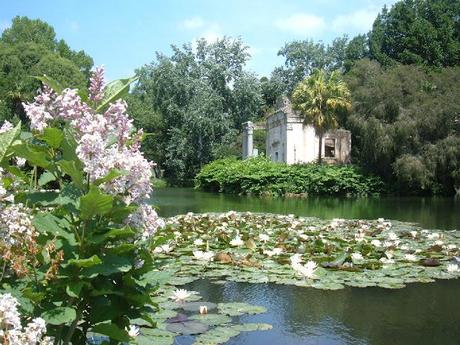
pixel 203 309
pixel 433 236
pixel 180 295
pixel 452 268
pixel 296 259
pixel 264 238
pixel 376 243
pixel 381 220
pixel 451 246
pixel 204 256
pixel 357 256
pixel 274 252
pixel 165 248
pixel 198 242
pixel 392 236
pixel 237 241
pixel 414 233
pixel 410 257
pixel 359 236
pixel 133 331
pixel 307 270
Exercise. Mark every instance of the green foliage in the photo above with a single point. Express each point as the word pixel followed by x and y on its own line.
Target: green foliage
pixel 196 100
pixel 84 270
pixel 417 32
pixel 29 48
pixel 259 176
pixel 405 126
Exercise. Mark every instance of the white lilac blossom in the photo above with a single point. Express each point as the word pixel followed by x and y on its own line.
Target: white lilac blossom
pixel 15 221
pixel 6 127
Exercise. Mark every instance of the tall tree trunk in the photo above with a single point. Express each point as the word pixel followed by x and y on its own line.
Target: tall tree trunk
pixel 320 150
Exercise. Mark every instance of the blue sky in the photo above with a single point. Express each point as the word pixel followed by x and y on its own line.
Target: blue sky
pixel 125 34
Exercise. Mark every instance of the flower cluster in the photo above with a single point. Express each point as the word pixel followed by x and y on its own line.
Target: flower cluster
pixel 11 330
pixel 105 142
pixel 16 223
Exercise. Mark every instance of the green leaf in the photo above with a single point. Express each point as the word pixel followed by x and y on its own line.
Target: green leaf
pixel 111 175
pixel 59 315
pixel 54 84
pixel 52 136
pixel 114 234
pixel 95 203
pixel 111 330
pixel 7 138
pixel 115 90
pixel 34 155
pixel 45 178
pixel 110 264
pixel 69 147
pixel 74 289
pixel 89 262
pixel 47 223
pixel 71 169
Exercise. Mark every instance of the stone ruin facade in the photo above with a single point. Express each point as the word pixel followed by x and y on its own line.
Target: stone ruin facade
pixel 290 140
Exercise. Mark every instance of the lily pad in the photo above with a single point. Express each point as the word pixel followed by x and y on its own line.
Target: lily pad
pixel 212 319
pixel 195 306
pixel 187 328
pixel 236 309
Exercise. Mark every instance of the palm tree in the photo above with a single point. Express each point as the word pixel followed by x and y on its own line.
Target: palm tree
pixel 319 98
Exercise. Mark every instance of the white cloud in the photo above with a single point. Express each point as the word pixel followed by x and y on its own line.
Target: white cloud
pixel 193 23
pixel 301 24
pixel 360 21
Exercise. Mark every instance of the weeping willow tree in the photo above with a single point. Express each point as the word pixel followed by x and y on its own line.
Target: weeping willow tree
pixel 319 98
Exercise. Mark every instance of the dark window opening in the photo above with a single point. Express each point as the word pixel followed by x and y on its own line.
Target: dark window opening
pixel 329 148
pixel 276 156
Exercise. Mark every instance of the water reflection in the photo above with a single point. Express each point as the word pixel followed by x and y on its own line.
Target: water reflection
pixel 442 213
pixel 419 314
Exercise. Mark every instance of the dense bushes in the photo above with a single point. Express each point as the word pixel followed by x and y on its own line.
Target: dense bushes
pixel 260 176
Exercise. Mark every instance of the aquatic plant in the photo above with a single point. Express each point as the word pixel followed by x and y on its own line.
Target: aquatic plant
pixel 311 252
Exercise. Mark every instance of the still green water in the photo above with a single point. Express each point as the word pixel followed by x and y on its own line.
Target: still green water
pixel 418 314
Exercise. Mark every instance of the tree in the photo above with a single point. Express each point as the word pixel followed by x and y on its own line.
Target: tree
pixel 201 96
pixel 423 32
pixel 29 48
pixel 320 98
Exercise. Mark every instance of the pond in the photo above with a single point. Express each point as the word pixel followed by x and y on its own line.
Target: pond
pixel 417 314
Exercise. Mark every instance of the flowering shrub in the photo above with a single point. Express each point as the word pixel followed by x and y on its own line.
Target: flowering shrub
pixel 76 233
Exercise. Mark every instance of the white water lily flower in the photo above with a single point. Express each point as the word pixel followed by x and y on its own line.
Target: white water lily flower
pixel 133 331
pixel 204 256
pixel 410 257
pixel 275 251
pixel 452 268
pixel 389 254
pixel 381 220
pixel 237 241
pixel 307 270
pixel 165 248
pixel 451 246
pixel 388 244
pixel 404 247
pixel 387 261
pixel 433 236
pixel 180 295
pixel 359 237
pixel 392 236
pixel 439 243
pixel 376 243
pixel 357 256
pixel 264 238
pixel 414 234
pixel 296 259
pixel 198 242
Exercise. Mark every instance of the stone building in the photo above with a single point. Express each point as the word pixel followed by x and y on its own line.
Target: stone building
pixel 290 140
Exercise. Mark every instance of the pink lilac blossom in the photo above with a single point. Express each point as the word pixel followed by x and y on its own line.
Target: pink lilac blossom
pixel 96 88
pixel 6 127
pixel 11 331
pixel 41 110
pixel 146 219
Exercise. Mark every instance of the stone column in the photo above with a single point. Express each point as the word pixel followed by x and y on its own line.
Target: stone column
pixel 248 145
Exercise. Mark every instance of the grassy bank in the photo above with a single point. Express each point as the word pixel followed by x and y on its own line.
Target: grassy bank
pixel 259 176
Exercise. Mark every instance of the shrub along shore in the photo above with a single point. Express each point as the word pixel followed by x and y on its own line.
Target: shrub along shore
pixel 259 176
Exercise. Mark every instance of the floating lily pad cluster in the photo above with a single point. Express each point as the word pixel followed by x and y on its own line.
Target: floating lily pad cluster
pixel 216 324
pixel 310 252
